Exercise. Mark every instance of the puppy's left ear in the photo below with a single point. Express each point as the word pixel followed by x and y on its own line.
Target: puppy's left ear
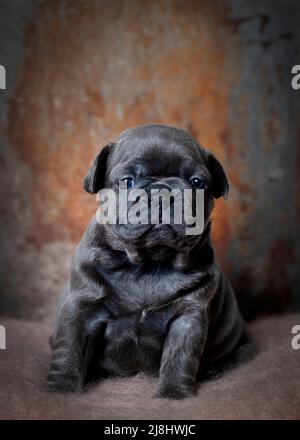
pixel 220 185
pixel 95 178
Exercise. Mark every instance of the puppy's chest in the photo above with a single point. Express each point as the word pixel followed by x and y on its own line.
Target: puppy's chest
pixel 134 341
pixel 140 308
pixel 137 290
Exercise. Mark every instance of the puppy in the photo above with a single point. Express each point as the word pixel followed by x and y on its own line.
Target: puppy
pixel 143 297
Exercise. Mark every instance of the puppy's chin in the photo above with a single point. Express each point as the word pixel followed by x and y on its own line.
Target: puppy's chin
pixel 153 242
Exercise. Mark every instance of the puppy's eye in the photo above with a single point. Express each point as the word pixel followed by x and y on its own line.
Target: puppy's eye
pixel 197 183
pixel 129 181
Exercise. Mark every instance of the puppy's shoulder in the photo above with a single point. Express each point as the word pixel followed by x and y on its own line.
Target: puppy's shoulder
pixel 92 243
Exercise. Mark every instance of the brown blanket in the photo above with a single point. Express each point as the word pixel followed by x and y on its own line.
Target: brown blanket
pixel 268 387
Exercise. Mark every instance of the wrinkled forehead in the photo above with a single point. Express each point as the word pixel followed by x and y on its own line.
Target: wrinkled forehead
pixel 159 150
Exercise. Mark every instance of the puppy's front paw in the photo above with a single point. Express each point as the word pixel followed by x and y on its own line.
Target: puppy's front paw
pixel 175 391
pixel 58 382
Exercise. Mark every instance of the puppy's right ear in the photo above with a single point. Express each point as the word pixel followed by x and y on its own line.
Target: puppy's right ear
pixel 95 178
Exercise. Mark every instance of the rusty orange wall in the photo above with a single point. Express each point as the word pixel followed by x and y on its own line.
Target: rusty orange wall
pixel 80 72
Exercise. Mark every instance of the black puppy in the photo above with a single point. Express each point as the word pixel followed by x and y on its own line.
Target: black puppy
pixel 143 297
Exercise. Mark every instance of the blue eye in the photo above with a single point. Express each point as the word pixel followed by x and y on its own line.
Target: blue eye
pixel 129 181
pixel 197 183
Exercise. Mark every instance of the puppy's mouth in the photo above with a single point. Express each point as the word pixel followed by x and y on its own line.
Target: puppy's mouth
pixel 146 233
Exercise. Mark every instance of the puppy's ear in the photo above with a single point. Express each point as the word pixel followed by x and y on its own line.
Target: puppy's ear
pixel 220 186
pixel 95 178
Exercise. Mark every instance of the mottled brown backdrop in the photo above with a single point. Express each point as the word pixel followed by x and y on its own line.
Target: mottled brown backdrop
pixel 79 72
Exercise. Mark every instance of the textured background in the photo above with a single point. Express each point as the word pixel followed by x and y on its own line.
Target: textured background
pixel 79 72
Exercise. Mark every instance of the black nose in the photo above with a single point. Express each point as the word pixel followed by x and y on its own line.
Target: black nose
pixel 161 185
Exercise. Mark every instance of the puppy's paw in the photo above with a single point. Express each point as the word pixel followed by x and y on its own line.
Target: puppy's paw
pixel 58 382
pixel 175 391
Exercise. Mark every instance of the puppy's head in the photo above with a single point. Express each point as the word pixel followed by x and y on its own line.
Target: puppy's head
pixel 149 157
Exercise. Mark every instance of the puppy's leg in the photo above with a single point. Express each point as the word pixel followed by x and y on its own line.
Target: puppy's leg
pixel 65 372
pixel 182 351
pixel 67 367
pixel 73 347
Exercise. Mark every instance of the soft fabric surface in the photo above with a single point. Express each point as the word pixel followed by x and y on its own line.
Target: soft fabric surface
pixel 268 387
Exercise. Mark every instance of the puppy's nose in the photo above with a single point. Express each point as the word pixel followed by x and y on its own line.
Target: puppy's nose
pixel 161 185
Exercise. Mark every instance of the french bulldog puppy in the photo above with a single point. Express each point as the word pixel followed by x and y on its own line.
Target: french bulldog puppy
pixel 145 297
